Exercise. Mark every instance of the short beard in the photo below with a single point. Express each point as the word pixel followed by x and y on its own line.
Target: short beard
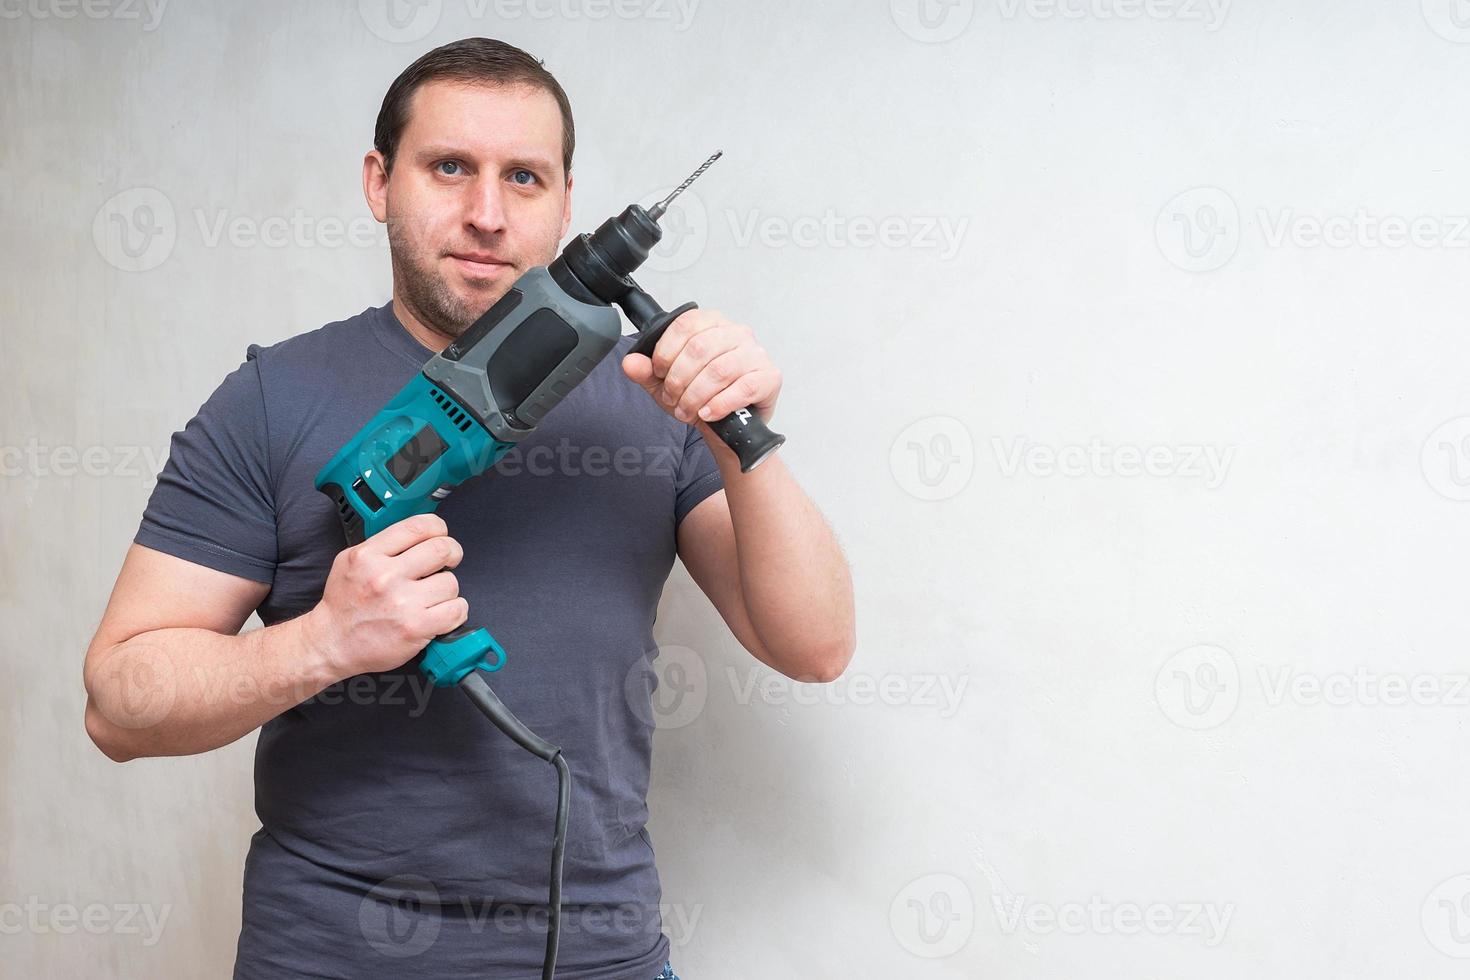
pixel 424 290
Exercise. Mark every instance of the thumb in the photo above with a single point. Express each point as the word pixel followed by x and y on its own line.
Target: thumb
pixel 639 367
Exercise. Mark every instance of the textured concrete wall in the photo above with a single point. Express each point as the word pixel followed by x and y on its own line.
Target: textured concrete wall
pixel 1124 344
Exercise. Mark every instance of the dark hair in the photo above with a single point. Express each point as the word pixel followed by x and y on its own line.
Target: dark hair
pixel 470 59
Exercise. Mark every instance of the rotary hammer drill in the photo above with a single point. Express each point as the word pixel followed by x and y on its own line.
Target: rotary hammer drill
pixel 484 393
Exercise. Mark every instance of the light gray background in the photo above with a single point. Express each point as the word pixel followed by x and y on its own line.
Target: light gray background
pixel 1201 719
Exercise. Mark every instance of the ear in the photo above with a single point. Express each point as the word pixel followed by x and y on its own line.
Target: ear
pixel 566 209
pixel 375 184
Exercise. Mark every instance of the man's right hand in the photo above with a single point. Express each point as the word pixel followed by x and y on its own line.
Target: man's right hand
pixel 386 598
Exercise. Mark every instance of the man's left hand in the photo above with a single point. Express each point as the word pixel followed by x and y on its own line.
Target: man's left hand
pixel 706 366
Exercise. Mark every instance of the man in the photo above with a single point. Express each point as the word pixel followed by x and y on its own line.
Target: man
pixel 403 835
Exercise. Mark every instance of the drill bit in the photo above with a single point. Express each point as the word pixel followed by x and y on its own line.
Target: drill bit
pixel 657 211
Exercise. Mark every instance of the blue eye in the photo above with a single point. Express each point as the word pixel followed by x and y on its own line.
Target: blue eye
pixel 527 173
pixel 448 163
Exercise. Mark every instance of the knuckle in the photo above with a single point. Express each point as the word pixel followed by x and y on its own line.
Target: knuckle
pixel 720 371
pixel 379 583
pixel 696 347
pixel 451 580
pixel 748 387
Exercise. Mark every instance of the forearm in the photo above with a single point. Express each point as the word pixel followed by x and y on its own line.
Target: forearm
pixel 794 579
pixel 184 691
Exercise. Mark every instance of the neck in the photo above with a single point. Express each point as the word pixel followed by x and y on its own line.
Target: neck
pixel 426 335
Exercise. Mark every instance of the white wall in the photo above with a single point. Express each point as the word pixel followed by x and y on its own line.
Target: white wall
pixel 1088 695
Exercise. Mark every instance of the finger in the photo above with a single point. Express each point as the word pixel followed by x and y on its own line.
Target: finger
pixel 698 351
pixel 428 557
pixel 398 538
pixel 744 392
pixel 437 588
pixel 639 368
pixel 717 375
pixel 677 334
pixel 448 615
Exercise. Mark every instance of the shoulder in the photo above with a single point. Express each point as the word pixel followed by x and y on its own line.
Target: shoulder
pixel 329 346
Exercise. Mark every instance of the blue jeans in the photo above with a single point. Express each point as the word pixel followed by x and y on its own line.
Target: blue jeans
pixel 668 973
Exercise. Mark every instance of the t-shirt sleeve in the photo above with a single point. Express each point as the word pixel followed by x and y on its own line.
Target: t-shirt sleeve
pixel 214 504
pixel 698 475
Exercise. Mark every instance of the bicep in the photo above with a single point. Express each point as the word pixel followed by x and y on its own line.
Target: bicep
pixel 157 591
pixel 706 544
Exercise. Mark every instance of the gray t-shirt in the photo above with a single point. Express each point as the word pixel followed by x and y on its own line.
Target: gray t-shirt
pixel 402 833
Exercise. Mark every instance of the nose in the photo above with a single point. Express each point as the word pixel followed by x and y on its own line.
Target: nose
pixel 485 208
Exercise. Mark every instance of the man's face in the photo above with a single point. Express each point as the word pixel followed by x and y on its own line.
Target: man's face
pixel 476 197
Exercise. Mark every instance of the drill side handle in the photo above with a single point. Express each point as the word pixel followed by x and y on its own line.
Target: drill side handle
pixel 742 430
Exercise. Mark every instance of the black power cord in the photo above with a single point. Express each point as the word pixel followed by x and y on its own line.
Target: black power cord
pixel 487 701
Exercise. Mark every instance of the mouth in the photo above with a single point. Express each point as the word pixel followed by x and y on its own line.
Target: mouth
pixel 476 265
